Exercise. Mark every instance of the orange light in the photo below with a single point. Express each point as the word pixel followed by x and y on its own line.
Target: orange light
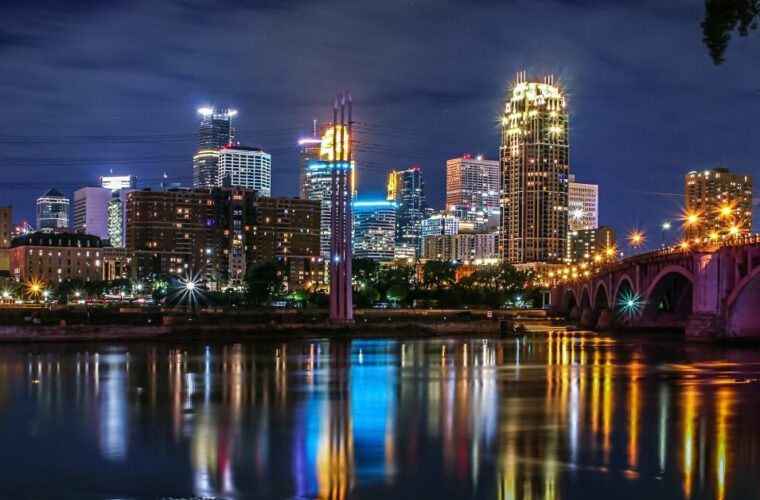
pixel 725 211
pixel 733 231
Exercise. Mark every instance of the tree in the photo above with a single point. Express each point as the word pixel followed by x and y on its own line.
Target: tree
pixel 438 274
pixel 264 280
pixel 722 17
pixel 366 272
pixel 397 292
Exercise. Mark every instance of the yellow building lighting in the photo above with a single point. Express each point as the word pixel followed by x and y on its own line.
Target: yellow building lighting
pixel 328 149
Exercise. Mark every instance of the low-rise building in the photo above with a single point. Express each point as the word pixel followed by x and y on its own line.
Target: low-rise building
pixel 586 243
pixel 54 258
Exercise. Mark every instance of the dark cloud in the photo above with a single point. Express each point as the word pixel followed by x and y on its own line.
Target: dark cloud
pixel 429 78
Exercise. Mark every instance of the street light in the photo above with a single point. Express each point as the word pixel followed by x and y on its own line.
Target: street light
pixel 636 238
pixel 665 227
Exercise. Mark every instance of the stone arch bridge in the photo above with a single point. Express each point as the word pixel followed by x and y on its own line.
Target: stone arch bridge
pixel 709 291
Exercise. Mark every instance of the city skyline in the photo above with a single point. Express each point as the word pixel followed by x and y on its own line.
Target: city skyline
pixel 625 128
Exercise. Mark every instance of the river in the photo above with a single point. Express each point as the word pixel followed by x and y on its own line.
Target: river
pixel 558 415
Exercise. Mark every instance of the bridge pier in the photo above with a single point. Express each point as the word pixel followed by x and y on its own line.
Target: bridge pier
pixel 705 326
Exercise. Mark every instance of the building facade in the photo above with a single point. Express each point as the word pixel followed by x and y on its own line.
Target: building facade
pixel 94 213
pixel 54 258
pixel 406 188
pixel 440 223
pixel 6 228
pixel 582 205
pixel 248 168
pixel 534 172
pixel 52 211
pixel 468 248
pixel 587 243
pixel 718 204
pixel 308 152
pixel 118 182
pixel 214 235
pixel 175 233
pixel 473 182
pixel 374 230
pixel 215 131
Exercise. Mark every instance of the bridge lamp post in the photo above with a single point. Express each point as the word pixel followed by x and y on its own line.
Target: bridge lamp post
pixel 636 239
pixel 665 227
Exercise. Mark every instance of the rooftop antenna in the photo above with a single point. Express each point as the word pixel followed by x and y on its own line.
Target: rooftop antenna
pixel 315 128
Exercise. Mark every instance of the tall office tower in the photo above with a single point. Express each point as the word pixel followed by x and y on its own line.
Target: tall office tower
pixel 52 211
pixel 374 230
pixel 249 168
pixel 116 182
pixel 472 182
pixel 534 172
pixel 582 205
pixel 718 204
pixel 115 226
pixel 6 227
pixel 215 132
pixel 92 210
pixel 308 151
pixel 319 184
pixel 440 223
pixel 407 189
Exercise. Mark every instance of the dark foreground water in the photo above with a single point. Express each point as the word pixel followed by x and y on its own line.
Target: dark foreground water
pixel 561 416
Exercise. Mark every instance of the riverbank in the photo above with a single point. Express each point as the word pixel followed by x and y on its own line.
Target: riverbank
pixel 198 330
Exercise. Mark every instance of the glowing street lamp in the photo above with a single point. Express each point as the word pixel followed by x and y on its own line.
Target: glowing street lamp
pixel 665 227
pixel 733 231
pixel 636 239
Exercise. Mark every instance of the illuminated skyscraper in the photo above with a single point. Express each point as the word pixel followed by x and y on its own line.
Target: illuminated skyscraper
pixel 319 185
pixel 52 211
pixel 582 205
pixel 308 151
pixel 115 182
pixel 472 182
pixel 534 172
pixel 249 168
pixel 214 132
pixel 116 220
pixel 407 189
pixel 374 230
pixel 718 204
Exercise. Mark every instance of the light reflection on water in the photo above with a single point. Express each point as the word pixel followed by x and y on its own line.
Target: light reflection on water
pixel 545 416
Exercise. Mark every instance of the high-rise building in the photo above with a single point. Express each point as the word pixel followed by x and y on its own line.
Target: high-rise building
pixel 718 204
pixel 534 172
pixel 6 228
pixel 117 182
pixel 115 226
pixel 308 152
pixel 472 182
pixel 587 243
pixel 407 189
pixel 319 176
pixel 249 168
pixel 174 233
pixel 374 230
pixel 440 223
pixel 582 205
pixel 52 211
pixel 214 132
pixel 93 212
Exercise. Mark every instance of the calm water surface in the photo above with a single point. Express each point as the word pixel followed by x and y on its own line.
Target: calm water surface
pixel 547 416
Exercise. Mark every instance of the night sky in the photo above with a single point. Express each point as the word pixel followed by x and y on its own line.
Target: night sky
pixel 88 87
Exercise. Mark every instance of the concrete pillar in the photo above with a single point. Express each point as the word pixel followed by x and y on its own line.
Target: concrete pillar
pixel 707 320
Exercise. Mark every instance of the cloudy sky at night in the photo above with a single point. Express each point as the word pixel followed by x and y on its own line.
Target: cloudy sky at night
pixel 89 86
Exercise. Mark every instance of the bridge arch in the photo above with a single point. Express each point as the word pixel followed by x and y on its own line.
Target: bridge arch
pixel 585 297
pixel 741 315
pixel 622 280
pixel 626 302
pixel 668 298
pixel 601 299
pixel 569 299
